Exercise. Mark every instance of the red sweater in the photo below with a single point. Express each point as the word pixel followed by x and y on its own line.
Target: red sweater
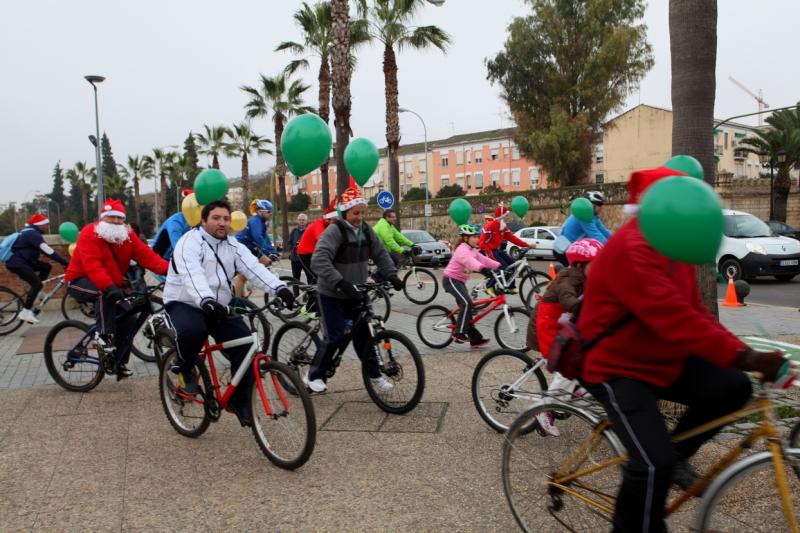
pixel 311 235
pixel 670 320
pixel 493 236
pixel 93 259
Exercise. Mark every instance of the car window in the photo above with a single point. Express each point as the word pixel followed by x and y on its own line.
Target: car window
pixel 745 226
pixel 546 235
pixel 418 237
pixel 529 234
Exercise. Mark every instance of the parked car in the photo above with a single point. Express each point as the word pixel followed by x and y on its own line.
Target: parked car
pixel 433 251
pixel 542 236
pixel 783 229
pixel 750 249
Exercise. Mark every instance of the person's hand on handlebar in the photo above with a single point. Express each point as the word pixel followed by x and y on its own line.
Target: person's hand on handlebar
pixel 214 310
pixel 286 297
pixel 349 290
pixel 769 364
pixel 396 282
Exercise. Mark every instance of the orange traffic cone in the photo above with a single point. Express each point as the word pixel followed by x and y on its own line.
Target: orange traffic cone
pixel 730 296
pixel 552 271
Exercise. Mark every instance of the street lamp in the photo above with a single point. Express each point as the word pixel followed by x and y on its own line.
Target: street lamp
pixel 93 80
pixel 427 170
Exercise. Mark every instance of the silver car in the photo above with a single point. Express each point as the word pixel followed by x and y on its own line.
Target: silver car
pixel 433 251
pixel 542 236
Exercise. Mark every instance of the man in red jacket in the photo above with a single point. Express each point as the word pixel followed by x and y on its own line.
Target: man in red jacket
pixel 494 233
pixel 97 273
pixel 305 249
pixel 670 347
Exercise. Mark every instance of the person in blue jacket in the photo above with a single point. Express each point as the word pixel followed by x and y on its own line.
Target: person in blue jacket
pixel 170 231
pixel 575 229
pixel 25 262
pixel 256 234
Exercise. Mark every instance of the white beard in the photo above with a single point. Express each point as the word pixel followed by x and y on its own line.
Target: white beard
pixel 113 233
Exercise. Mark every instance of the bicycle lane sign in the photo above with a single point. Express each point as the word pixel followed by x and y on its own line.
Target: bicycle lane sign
pixel 385 199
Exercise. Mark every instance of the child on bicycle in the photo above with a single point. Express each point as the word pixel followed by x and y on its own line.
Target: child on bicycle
pixel 466 259
pixel 494 233
pixel 560 303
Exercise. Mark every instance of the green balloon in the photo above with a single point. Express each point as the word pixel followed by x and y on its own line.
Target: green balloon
pixel 306 143
pixel 687 165
pixel 583 209
pixel 681 218
pixel 520 205
pixel 68 231
pixel 460 210
pixel 361 159
pixel 211 184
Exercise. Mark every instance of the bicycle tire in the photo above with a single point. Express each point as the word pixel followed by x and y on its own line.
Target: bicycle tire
pixel 283 313
pixel 539 289
pixel 164 342
pixel 82 311
pixel 170 399
pixel 297 401
pixel 492 390
pixel 513 336
pixel 432 327
pixel 93 370
pixel 258 323
pixel 380 303
pixel 419 290
pixel 724 503
pixel 10 307
pixel 406 393
pixel 294 350
pixel 528 284
pixel 142 346
pixel 794 441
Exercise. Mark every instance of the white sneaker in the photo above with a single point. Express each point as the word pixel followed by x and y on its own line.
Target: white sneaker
pixel 26 315
pixel 382 384
pixel 546 423
pixel 315 385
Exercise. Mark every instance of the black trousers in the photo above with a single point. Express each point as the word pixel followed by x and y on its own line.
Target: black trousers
pixel 561 258
pixel 708 390
pixel 33 276
pixel 192 328
pixel 297 269
pixel 459 291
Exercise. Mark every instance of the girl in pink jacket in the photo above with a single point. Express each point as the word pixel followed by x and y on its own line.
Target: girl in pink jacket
pixel 466 259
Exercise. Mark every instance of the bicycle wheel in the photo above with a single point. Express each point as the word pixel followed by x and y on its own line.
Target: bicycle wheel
pixel 512 332
pixel 745 497
pixel 143 345
pixel 72 309
pixel 10 306
pixel 402 368
pixel 295 345
pixel 258 323
pixel 420 286
pixel 434 327
pixel 379 301
pixel 186 413
pixel 71 356
pixel 284 425
pixel 163 343
pixel 530 471
pixel 285 313
pixel 538 290
pixel 504 384
pixel 529 283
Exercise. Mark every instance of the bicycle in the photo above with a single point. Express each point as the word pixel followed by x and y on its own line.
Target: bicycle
pixel 284 421
pixel 436 323
pixel 530 280
pixel 574 486
pixel 419 284
pixel 71 347
pixel 11 304
pixel 296 343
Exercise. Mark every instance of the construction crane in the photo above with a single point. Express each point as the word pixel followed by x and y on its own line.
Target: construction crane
pixel 762 105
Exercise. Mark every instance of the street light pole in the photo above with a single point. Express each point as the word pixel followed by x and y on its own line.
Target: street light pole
pixel 93 80
pixel 427 169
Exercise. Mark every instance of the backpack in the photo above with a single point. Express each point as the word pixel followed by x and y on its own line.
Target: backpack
pixel 6 245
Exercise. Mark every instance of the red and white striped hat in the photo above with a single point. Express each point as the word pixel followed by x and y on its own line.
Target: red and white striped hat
pixel 112 208
pixel 38 220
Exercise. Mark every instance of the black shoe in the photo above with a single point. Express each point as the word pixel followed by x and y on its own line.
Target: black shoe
pixel 243 413
pixel 478 343
pixel 123 372
pixel 460 338
pixel 685 476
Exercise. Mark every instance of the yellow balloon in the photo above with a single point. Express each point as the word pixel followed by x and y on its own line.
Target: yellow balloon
pixel 191 210
pixel 71 248
pixel 238 220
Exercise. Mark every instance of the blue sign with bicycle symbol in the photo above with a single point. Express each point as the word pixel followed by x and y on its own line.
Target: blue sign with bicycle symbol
pixel 385 199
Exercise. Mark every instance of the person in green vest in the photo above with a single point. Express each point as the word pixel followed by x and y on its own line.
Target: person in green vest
pixel 395 242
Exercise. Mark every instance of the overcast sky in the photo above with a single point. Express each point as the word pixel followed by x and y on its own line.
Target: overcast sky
pixel 172 66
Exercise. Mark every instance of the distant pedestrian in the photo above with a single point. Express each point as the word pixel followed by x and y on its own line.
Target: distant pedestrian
pixel 294 239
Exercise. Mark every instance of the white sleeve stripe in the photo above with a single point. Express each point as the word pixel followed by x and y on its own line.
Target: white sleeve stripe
pixel 46 248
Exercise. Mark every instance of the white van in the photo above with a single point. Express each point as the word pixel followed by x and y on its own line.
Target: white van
pixel 750 249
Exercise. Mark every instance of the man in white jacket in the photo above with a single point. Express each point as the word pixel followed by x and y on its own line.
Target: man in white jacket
pixel 199 289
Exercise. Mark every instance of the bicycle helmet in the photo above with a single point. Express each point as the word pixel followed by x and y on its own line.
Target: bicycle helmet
pixel 266 205
pixel 596 197
pixel 468 229
pixel 583 251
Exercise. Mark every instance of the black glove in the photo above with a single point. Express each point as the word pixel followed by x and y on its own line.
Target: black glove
pixel 115 293
pixel 406 251
pixel 287 297
pixel 487 272
pixel 274 257
pixel 768 363
pixel 397 283
pixel 214 310
pixel 349 290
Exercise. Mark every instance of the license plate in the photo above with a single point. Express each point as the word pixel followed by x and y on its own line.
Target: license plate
pixel 790 262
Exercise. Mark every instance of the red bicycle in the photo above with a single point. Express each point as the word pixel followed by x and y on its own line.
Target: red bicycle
pixel 436 323
pixel 284 423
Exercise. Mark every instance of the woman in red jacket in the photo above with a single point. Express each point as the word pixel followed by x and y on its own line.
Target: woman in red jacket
pixel 494 233
pixel 97 273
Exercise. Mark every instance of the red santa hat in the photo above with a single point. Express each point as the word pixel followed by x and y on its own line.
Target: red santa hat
pixel 350 198
pixel 112 208
pixel 38 220
pixel 186 192
pixel 501 211
pixel 640 180
pixel 330 211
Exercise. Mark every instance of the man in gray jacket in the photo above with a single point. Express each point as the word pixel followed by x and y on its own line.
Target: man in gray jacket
pixel 340 263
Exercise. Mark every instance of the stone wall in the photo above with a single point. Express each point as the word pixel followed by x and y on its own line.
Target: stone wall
pixel 752 196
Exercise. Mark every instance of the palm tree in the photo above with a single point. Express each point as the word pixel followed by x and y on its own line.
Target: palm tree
pixel 138 168
pixel 212 142
pixel 115 186
pixel 157 161
pixel 316 25
pixel 243 143
pixel 285 98
pixel 82 176
pixel 174 167
pixel 389 23
pixel 693 49
pixel 341 73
